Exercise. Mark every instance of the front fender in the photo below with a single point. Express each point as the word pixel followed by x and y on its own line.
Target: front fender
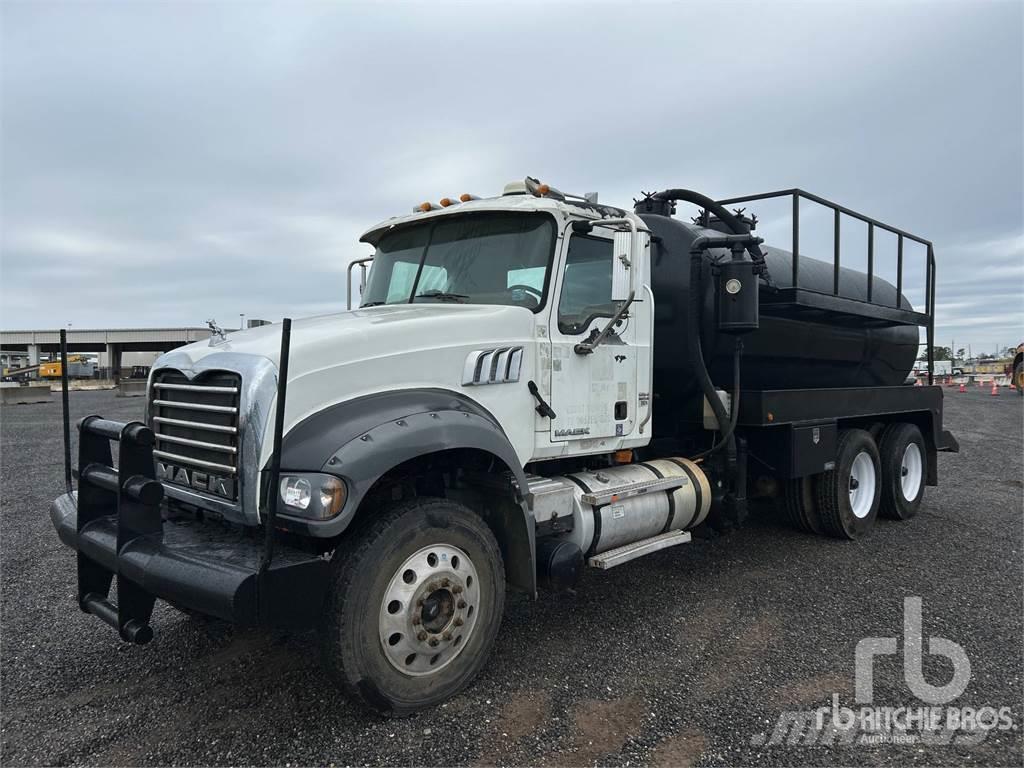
pixel 362 439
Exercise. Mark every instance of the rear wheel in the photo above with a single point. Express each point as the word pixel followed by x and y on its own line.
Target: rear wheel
pixel 849 495
pixel 801 504
pixel 415 606
pixel 904 468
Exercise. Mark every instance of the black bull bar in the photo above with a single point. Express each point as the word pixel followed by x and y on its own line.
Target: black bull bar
pixel 116 524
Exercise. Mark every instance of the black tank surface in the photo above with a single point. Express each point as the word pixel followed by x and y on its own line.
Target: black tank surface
pixel 794 348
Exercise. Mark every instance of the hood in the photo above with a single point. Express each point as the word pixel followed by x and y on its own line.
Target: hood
pixel 363 334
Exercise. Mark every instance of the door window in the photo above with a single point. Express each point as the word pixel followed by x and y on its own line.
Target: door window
pixel 587 286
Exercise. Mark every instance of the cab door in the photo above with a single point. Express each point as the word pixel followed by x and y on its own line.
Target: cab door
pixel 594 395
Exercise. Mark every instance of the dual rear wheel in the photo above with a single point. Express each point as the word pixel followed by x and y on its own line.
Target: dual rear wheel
pixel 868 479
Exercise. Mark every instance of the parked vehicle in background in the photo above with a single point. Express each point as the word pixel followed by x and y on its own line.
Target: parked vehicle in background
pixel 1016 370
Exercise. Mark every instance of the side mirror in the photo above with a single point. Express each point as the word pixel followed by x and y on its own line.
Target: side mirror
pixel 623 265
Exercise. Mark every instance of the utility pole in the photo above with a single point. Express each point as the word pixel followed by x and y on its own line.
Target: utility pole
pixel 241 321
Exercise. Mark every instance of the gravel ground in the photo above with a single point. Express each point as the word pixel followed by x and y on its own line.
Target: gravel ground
pixel 684 657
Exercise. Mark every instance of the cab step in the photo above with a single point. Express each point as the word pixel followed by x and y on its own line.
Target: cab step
pixel 619 492
pixel 628 552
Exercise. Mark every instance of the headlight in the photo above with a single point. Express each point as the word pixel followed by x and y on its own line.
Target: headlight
pixel 295 492
pixel 312 495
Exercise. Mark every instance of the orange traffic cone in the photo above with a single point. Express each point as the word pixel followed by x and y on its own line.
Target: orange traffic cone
pixel 995 389
pixel 963 388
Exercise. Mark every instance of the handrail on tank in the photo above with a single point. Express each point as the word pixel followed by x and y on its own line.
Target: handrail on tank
pixel 901 235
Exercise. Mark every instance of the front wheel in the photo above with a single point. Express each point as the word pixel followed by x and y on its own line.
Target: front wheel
pixel 415 606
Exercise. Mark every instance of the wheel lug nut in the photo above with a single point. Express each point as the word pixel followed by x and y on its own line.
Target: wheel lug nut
pixel 446 583
pixel 459 622
pixel 457 589
pixel 416 619
pixel 462 603
pixel 421 636
pixel 419 603
pixel 434 642
pixel 447 636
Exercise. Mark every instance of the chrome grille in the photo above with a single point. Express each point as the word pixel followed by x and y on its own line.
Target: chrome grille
pixel 196 427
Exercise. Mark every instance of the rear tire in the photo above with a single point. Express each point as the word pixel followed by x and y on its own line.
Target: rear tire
pixel 904 470
pixel 415 605
pixel 801 504
pixel 849 495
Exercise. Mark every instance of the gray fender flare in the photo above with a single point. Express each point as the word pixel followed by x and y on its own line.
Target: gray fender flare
pixel 362 439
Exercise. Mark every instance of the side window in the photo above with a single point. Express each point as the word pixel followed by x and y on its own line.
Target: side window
pixel 587 287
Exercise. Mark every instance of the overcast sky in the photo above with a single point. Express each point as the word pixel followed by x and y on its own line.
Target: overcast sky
pixel 163 163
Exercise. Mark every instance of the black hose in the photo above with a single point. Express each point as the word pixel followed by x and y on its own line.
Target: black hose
pixel 730 430
pixel 696 304
pixel 723 213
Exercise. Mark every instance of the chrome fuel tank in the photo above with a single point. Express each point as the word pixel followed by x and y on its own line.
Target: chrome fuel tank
pixel 623 520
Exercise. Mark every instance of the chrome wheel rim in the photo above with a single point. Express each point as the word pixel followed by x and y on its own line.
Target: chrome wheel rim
pixel 862 485
pixel 911 471
pixel 429 610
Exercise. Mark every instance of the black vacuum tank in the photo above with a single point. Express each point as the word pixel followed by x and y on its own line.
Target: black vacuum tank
pixel 794 347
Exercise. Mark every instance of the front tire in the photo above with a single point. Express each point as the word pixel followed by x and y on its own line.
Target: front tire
pixel 415 606
pixel 849 495
pixel 904 469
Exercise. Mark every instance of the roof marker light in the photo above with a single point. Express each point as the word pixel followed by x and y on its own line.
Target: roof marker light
pixel 424 208
pixel 466 197
pixel 446 201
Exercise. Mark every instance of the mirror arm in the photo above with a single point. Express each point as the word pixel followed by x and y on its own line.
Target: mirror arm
pixel 348 281
pixel 586 347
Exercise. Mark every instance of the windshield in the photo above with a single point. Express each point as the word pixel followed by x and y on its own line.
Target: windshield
pixel 479 258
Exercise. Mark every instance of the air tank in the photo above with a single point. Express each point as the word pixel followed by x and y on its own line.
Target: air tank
pixel 793 348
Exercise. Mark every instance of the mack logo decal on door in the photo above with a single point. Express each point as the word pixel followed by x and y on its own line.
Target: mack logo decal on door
pixel 572 432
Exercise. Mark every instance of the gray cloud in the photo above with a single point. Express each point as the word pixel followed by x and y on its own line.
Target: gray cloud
pixel 165 162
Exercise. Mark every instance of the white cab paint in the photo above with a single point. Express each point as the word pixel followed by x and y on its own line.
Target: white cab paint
pixel 343 356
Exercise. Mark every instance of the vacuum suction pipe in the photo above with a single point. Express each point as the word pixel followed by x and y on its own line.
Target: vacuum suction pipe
pixel 726 422
pixel 727 217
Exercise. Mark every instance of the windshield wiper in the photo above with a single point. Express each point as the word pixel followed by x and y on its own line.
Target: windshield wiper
pixel 370 304
pixel 442 296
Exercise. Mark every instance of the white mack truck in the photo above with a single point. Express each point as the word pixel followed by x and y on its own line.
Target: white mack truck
pixel 533 384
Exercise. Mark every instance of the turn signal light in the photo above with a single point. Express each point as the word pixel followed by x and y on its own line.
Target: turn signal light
pixel 543 189
pixel 623 457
